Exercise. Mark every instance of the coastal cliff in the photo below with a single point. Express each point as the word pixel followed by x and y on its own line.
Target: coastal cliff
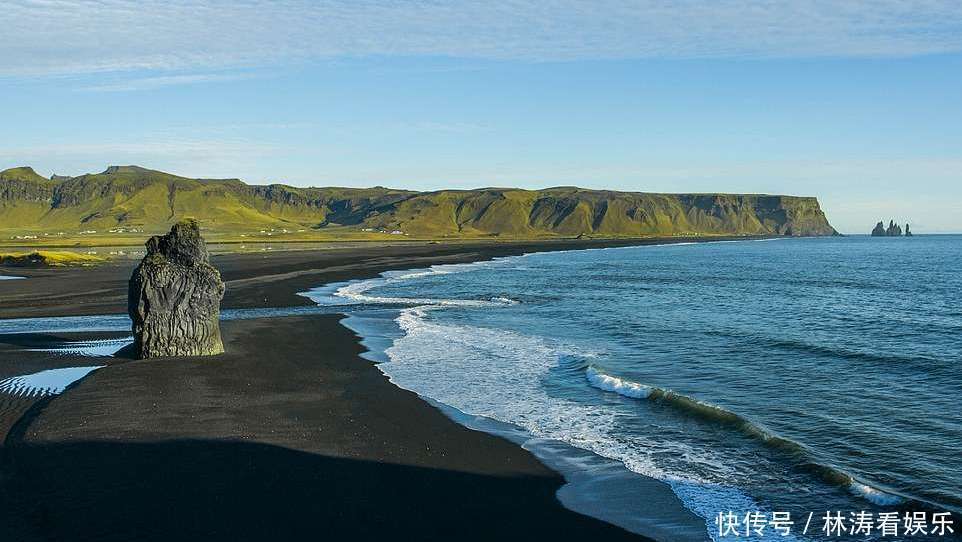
pixel 135 197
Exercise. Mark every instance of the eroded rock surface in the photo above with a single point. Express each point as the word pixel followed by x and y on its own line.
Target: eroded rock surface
pixel 174 297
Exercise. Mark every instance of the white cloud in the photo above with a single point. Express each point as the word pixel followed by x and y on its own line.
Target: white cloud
pixel 182 154
pixel 151 83
pixel 44 37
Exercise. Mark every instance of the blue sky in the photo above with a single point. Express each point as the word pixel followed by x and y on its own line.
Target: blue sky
pixel 854 101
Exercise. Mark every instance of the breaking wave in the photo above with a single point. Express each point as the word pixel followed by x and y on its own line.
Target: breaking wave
pixel 874 495
pixel 715 414
pixel 614 384
pixel 356 292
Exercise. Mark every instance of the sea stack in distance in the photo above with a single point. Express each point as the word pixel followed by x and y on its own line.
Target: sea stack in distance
pixel 174 297
pixel 894 230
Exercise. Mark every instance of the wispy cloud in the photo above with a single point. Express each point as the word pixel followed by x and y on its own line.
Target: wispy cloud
pixel 180 153
pixel 43 37
pixel 152 83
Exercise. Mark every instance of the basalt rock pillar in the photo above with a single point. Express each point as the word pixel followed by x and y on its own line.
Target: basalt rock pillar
pixel 174 297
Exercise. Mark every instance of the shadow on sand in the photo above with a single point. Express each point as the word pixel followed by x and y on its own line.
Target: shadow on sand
pixel 227 490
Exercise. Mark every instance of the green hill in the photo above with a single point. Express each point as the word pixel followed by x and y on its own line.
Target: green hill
pixel 125 198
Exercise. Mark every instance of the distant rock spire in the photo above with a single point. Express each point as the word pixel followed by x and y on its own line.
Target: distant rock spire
pixel 894 230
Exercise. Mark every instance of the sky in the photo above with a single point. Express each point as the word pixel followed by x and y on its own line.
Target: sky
pixel 857 102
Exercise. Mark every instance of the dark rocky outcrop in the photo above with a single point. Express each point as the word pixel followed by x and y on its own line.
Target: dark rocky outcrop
pixel 893 230
pixel 908 232
pixel 174 297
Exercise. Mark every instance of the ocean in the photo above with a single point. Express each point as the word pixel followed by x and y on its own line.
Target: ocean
pixel 788 376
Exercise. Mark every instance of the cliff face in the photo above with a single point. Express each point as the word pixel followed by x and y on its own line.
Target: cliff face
pixel 152 200
pixel 22 184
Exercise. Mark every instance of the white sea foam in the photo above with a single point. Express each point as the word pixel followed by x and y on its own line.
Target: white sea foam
pixel 873 495
pixel 49 382
pixel 500 374
pixel 494 373
pixel 9 277
pixel 617 385
pixel 356 292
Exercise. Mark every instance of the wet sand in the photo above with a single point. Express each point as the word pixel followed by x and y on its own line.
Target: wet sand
pixel 290 435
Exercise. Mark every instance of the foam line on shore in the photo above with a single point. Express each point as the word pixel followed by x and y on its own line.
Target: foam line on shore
pixel 355 292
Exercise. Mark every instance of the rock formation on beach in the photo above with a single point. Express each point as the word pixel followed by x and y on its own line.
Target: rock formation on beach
pixel 174 297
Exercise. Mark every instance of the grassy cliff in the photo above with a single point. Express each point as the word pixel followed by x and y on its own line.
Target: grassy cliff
pixel 128 198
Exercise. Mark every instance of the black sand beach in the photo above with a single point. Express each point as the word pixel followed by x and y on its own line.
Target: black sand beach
pixel 290 435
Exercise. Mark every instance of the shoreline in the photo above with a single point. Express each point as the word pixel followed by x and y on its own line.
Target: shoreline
pixel 269 280
pixel 279 279
pixel 593 482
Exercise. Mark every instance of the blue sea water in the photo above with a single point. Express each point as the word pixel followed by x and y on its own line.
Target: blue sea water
pixel 792 375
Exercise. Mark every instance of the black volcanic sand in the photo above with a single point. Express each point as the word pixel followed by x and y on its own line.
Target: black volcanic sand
pixel 277 440
pixel 290 435
pixel 19 356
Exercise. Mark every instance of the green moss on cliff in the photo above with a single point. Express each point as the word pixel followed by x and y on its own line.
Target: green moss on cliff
pixel 143 199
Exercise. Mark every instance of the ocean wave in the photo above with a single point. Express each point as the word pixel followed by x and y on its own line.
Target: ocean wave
pixel 874 495
pixel 716 414
pixel 836 351
pixel 849 354
pixel 614 384
pixel 356 292
pixel 606 382
pixel 501 375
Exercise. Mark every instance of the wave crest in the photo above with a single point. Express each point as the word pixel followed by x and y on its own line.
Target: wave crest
pixel 614 384
pixel 716 414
